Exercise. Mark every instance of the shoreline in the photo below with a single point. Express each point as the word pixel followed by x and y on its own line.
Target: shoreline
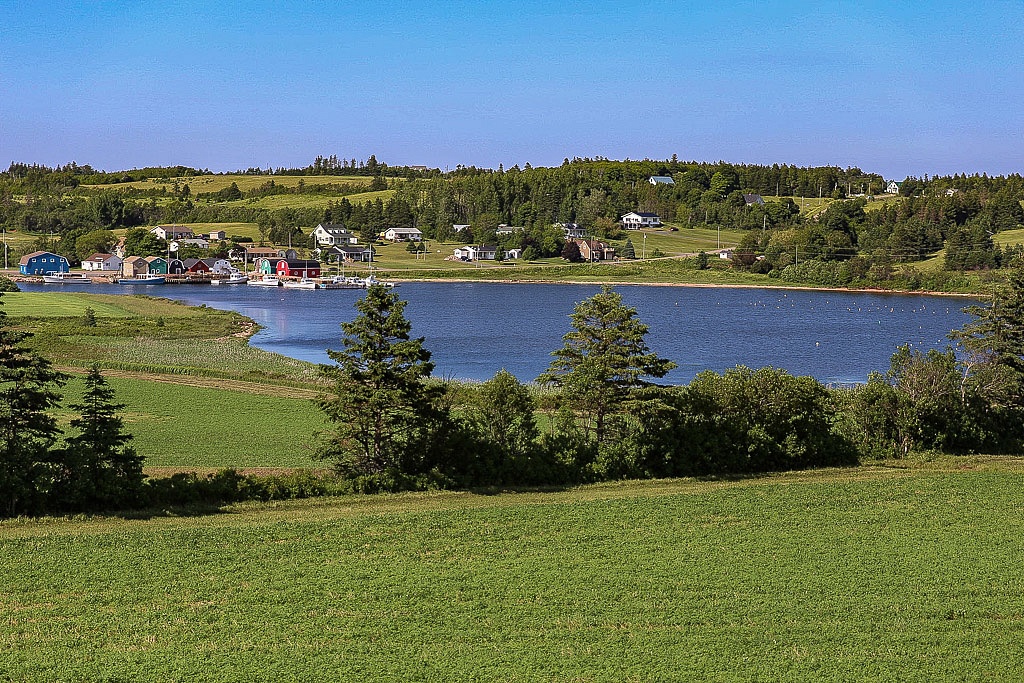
pixel 705 285
pixel 17 277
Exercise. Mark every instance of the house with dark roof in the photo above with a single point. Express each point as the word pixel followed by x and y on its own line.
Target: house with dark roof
pixel 348 253
pixel 751 199
pixel 332 234
pixel 634 220
pixel 594 250
pixel 172 232
pixel 196 265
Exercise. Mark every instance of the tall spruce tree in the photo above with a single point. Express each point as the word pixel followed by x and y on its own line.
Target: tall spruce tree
pixel 605 358
pixel 28 390
pixel 379 402
pixel 101 469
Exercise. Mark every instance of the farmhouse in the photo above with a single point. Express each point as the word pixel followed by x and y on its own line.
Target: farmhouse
pixel 172 232
pixel 42 262
pixel 193 242
pixel 661 180
pixel 102 262
pixel 593 250
pixel 459 227
pixel 217 235
pixel 481 252
pixel 634 220
pixel 893 187
pixel 298 268
pixel 572 231
pixel 332 234
pixel 751 199
pixel 402 235
pixel 504 229
pixel 348 253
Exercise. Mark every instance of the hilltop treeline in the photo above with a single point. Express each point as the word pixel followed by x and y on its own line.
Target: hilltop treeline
pixel 848 242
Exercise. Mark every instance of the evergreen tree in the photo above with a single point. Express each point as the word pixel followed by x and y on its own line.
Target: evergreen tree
pixel 379 402
pixel 627 249
pixel 28 387
pixel 100 469
pixel 604 359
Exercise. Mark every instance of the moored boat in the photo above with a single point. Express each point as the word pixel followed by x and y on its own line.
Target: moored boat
pixel 55 278
pixel 303 283
pixel 266 281
pixel 143 279
pixel 236 277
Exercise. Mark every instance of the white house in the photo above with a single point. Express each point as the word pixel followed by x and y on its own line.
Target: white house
pixel 661 180
pixel 348 252
pixel 402 235
pixel 333 235
pixel 634 220
pixel 893 187
pixel 192 242
pixel 504 229
pixel 217 235
pixel 172 232
pixel 459 227
pixel 572 231
pixel 102 262
pixel 481 252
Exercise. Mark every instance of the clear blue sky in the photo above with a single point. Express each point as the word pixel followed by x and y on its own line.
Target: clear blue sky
pixel 898 88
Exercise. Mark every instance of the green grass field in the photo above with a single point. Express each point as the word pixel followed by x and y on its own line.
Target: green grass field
pixel 865 574
pixel 203 428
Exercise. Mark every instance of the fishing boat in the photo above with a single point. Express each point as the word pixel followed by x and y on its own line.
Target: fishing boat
pixel 302 283
pixel 143 279
pixel 235 277
pixel 55 278
pixel 266 281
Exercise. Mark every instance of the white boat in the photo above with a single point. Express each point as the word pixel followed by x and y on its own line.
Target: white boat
pixel 371 281
pixel 55 278
pixel 236 277
pixel 266 281
pixel 143 279
pixel 304 283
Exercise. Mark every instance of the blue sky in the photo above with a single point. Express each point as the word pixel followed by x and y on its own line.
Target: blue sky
pixel 898 88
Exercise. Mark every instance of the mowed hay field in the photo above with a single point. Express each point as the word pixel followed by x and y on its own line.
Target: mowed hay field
pixel 863 574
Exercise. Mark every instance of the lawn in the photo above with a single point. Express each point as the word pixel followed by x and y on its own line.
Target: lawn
pixel 318 201
pixel 897 573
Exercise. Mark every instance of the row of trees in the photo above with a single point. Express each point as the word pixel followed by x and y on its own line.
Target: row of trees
pixel 597 414
pixel 606 419
pixel 94 467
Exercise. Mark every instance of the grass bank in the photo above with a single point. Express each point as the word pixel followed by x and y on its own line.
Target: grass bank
pixel 873 573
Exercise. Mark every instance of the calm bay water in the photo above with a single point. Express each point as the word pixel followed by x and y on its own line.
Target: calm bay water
pixel 475 329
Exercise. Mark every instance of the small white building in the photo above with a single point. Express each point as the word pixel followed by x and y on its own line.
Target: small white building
pixel 402 235
pixel 476 252
pixel 333 235
pixel 634 220
pixel 192 242
pixel 460 227
pixel 218 235
pixel 661 180
pixel 504 229
pixel 110 262
pixel 220 266
pixel 893 187
pixel 172 232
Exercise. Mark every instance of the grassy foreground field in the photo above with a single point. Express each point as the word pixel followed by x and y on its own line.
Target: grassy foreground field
pixel 866 574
